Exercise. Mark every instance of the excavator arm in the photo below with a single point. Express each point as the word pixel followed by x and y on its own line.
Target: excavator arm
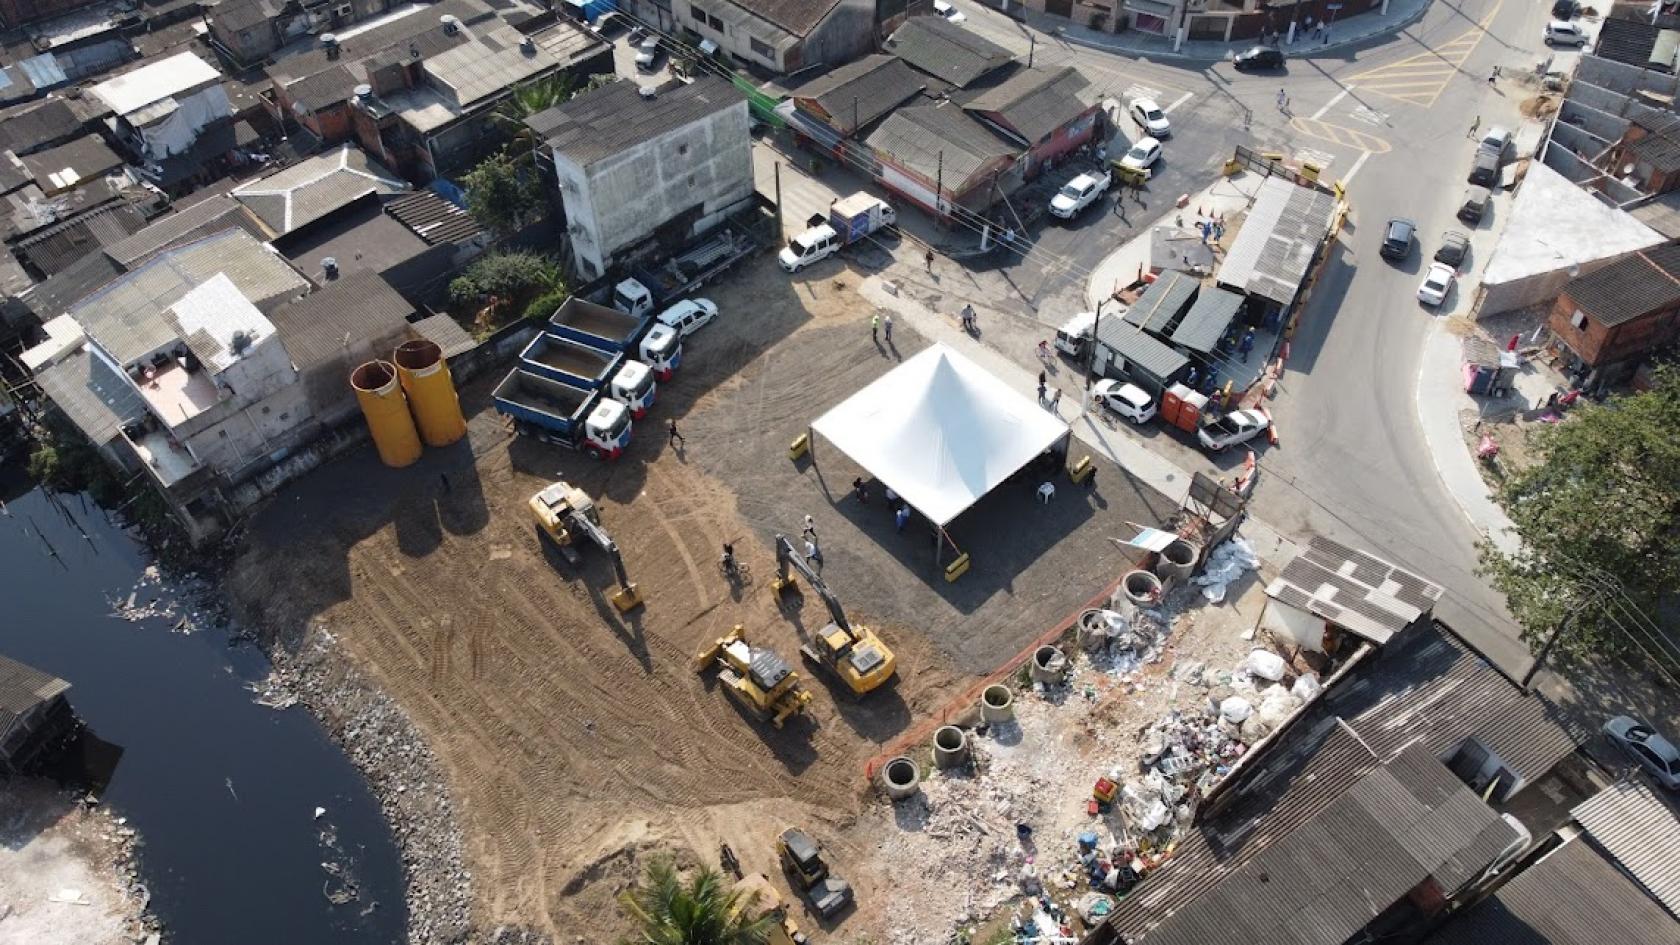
pixel 787 558
pixel 583 524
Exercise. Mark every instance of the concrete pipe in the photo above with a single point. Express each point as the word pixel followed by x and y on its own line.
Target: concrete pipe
pixel 901 778
pixel 997 704
pixel 386 411
pixel 431 392
pixel 1048 665
pixel 950 746
pixel 1138 589
pixel 1093 630
pixel 1177 561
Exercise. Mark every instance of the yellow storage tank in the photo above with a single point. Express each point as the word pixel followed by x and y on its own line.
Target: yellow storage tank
pixel 431 392
pixel 387 413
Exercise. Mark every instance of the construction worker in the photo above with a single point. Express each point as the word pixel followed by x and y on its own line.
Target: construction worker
pixel 861 489
pixel 875 328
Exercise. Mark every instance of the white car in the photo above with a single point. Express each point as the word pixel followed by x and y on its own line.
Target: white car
pixel 1150 118
pixel 1077 194
pixel 647 53
pixel 1127 400
pixel 688 315
pixel 1238 426
pixel 1436 284
pixel 1143 155
pixel 1564 33
pixel 949 12
pixel 1654 753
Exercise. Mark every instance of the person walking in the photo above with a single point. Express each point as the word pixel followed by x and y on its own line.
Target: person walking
pixel 810 530
pixel 929 259
pixel 887 324
pixel 1475 126
pixel 901 517
pixel 875 328
pixel 1283 101
pixel 861 490
pixel 1247 344
pixel 672 437
pixel 813 554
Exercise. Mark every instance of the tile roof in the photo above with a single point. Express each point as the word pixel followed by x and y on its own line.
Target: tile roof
pixel 66 166
pixel 55 248
pixel 36 126
pixel 857 94
pixel 1139 349
pixel 1629 288
pixel 1569 897
pixel 22 688
pixel 945 50
pixel 1209 316
pixel 446 333
pixel 1036 102
pixel 798 17
pixel 309 190
pixel 939 141
pixel 1631 42
pixel 210 215
pixel 433 218
pixel 1354 590
pixel 65 288
pixel 1660 146
pixel 606 121
pixel 361 305
pixel 1639 828
pixel 1162 302
pixel 91 395
pixel 1277 240
pixel 127 317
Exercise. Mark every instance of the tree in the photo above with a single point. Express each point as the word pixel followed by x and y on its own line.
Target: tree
pixel 510 276
pixel 669 911
pixel 526 100
pixel 502 195
pixel 1600 509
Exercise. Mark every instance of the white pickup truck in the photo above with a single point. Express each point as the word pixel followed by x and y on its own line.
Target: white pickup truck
pixel 849 219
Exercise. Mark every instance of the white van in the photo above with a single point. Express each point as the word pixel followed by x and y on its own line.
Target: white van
pixel 1075 334
pixel 813 245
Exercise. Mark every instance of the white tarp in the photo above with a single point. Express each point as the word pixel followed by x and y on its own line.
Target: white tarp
pixel 940 431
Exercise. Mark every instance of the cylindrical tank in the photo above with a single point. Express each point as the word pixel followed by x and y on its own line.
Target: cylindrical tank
pixel 431 392
pixel 387 414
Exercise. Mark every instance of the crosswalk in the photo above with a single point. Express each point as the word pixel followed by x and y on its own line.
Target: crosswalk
pixel 1420 79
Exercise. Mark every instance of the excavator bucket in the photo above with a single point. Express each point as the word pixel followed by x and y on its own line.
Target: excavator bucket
pixel 626 598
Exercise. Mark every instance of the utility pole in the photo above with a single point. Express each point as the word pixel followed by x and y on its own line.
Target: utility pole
pixel 1091 358
pixel 781 224
pixel 1032 38
pixel 1546 650
pixel 939 188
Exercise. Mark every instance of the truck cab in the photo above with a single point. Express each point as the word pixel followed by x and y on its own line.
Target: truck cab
pixel 634 387
pixel 632 297
pixel 606 431
pixel 812 246
pixel 661 350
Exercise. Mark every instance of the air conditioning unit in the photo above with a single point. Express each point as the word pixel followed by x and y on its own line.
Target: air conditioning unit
pixel 344 11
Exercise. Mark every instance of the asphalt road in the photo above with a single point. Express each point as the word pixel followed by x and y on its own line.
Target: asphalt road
pixel 1391 118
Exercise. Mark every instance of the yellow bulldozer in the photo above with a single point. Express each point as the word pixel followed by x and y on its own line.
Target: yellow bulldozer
pixel 854 654
pixel 757 678
pixel 783 929
pixel 561 512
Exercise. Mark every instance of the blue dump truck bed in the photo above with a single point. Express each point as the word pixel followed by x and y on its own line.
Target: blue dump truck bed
pixel 531 398
pixel 568 361
pixel 597 326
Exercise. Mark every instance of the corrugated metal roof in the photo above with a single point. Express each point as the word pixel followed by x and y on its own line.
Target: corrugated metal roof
pixel 1640 829
pixel 61 168
pixel 946 51
pixel 154 81
pixel 63 289
pixel 59 246
pixel 128 317
pixel 1355 590
pixel 939 142
pixel 211 215
pixel 1205 323
pixel 91 395
pixel 37 126
pixel 1276 243
pixel 1569 897
pixel 361 307
pixel 433 218
pixel 1036 102
pixel 1141 350
pixel 854 95
pixel 23 688
pixel 1163 301
pixel 609 120
pixel 446 333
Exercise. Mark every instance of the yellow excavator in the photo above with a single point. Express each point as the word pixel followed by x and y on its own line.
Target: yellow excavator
pixel 783 929
pixel 758 679
pixel 855 654
pixel 561 512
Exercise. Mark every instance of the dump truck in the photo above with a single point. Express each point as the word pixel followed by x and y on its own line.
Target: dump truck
pixel 852 653
pixel 802 860
pixel 651 288
pixel 561 513
pixel 626 380
pixel 607 329
pixel 762 682
pixel 574 417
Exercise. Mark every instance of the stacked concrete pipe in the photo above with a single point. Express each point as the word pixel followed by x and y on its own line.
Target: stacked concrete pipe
pixel 1177 561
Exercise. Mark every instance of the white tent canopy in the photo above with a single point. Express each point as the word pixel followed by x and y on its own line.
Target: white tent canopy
pixel 940 431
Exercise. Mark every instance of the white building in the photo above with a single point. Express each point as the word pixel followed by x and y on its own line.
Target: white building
pixel 647 170
pixel 159 109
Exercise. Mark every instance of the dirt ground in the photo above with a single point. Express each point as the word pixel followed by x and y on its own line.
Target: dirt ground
pixel 577 741
pixel 66 870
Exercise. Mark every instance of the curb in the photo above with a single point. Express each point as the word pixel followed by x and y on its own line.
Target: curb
pixel 1487 532
pixel 1186 57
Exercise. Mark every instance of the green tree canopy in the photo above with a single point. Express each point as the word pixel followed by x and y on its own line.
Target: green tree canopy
pixel 503 195
pixel 668 910
pixel 527 100
pixel 1601 508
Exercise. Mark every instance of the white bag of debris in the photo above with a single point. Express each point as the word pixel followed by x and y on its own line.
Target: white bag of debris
pixel 1264 664
pixel 1276 703
pixel 1225 564
pixel 1253 730
pixel 1306 686
pixel 1235 709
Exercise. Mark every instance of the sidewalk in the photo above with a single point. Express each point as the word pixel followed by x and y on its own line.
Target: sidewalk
pixel 1116 445
pixel 1120 268
pixel 1344 33
pixel 1440 398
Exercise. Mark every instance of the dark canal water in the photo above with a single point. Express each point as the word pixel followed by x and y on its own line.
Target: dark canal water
pixel 222 791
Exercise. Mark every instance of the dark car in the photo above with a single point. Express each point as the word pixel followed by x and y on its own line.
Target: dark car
pixel 1565 10
pixel 1475 205
pixel 1397 238
pixel 1260 57
pixel 1484 171
pixel 1454 247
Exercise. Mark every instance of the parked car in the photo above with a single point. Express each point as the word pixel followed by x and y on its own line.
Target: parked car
pixel 1150 118
pixel 812 246
pixel 1475 204
pixel 1397 238
pixel 610 25
pixel 1566 9
pixel 1238 426
pixel 1437 282
pixel 1259 57
pixel 647 53
pixel 1079 193
pixel 1496 141
pixel 689 315
pixel 1142 156
pixel 1653 752
pixel 1564 33
pixel 1454 247
pixel 1484 170
pixel 1127 400
pixel 948 12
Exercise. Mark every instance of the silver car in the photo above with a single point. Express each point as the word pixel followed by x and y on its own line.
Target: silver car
pixel 1653 752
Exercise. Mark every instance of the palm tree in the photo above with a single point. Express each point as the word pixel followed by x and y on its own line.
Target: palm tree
pixel 669 911
pixel 526 100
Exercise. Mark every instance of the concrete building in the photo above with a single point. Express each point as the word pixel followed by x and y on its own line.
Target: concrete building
pixel 1606 322
pixel 160 110
pixel 1049 112
pixel 249 31
pixel 641 170
pixel 777 36
pixel 34 715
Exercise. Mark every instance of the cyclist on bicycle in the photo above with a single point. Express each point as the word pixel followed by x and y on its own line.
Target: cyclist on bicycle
pixel 728 556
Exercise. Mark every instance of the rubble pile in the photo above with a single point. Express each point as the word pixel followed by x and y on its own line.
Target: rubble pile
pixel 180 598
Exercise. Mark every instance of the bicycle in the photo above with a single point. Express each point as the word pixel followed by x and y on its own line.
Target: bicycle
pixel 735 569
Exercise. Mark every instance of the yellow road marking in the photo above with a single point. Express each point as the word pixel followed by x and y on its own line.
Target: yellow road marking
pixel 1420 79
pixel 1337 134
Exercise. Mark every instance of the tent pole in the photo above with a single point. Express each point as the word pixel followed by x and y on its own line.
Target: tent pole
pixel 938 546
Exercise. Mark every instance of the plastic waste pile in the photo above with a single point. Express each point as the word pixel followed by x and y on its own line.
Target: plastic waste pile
pixel 1119 643
pixel 1226 563
pixel 1259 695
